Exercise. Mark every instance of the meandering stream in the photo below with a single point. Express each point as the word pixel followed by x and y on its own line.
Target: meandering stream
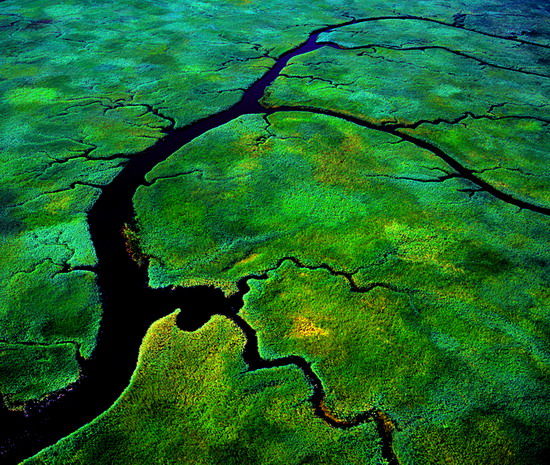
pixel 130 306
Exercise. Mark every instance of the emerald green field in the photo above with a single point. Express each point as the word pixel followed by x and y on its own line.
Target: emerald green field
pixel 365 182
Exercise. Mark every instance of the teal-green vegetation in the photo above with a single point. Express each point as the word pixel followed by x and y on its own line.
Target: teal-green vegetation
pixel 403 72
pixel 192 401
pixel 402 86
pixel 320 189
pixel 511 154
pixel 418 34
pixel 449 337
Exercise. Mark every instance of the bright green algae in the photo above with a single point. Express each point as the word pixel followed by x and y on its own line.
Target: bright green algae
pixel 192 401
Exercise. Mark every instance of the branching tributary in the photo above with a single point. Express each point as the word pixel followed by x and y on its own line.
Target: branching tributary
pixel 130 306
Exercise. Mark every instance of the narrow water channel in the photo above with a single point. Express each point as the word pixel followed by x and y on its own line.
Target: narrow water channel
pixel 130 306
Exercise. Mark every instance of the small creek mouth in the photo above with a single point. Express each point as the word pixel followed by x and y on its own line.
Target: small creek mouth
pixel 208 301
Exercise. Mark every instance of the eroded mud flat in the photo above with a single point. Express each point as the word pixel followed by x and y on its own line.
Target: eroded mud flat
pixel 347 202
